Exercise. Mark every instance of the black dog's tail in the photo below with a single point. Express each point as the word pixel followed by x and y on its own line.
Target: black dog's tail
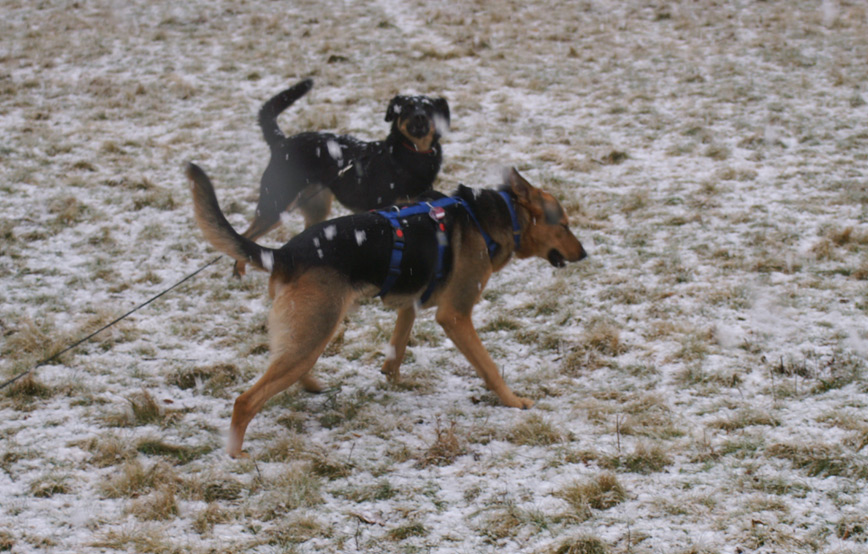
pixel 217 230
pixel 272 108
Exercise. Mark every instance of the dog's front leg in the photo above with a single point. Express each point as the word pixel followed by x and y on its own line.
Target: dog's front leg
pixel 400 337
pixel 459 328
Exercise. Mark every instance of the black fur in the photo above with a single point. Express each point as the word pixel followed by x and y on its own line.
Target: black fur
pixel 359 246
pixel 361 175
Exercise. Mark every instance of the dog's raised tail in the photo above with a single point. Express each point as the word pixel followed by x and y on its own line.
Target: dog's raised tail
pixel 275 105
pixel 217 229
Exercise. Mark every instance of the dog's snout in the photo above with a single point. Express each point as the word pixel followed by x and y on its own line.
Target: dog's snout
pixel 418 124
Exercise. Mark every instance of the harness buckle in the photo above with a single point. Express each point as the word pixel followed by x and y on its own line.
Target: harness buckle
pixel 437 213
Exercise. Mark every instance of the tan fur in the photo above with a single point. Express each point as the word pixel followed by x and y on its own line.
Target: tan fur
pixel 308 306
pixel 422 144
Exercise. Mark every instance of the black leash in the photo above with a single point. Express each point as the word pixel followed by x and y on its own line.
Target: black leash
pixel 106 326
pixel 142 305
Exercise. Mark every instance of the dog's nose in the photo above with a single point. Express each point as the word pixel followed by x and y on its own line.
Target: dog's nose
pixel 418 124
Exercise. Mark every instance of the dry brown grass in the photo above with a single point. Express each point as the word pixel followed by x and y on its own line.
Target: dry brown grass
pixel 708 155
pixel 534 430
pixel 600 492
pixel 445 448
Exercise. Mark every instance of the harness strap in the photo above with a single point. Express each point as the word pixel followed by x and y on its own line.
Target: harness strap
pixel 489 242
pixel 394 216
pixel 516 230
pixel 435 210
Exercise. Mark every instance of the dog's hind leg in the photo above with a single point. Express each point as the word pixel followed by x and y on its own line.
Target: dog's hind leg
pixel 398 344
pixel 276 195
pixel 315 204
pixel 303 319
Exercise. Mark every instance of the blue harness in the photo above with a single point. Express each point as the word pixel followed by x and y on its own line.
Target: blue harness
pixel 436 210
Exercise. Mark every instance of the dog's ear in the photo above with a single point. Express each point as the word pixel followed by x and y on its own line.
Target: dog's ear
pixel 519 186
pixel 442 107
pixel 395 107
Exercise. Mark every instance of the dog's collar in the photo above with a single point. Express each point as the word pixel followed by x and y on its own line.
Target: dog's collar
pixel 412 148
pixel 516 230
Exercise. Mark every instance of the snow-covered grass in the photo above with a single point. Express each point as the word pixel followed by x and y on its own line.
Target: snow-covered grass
pixel 699 380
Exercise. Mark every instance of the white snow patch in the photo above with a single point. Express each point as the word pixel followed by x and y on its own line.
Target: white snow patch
pixel 267 258
pixel 390 352
pixel 330 232
pixel 360 237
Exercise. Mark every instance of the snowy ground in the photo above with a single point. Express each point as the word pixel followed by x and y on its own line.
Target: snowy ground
pixel 699 380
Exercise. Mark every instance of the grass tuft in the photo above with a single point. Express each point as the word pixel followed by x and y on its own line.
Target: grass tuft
pixel 175 453
pixel 50 485
pixel 645 459
pixel 820 460
pixel 7 541
pixel 534 431
pixel 445 448
pixel 134 479
pixel 160 505
pixel 582 545
pixel 599 493
pixel 212 379
pixel 408 531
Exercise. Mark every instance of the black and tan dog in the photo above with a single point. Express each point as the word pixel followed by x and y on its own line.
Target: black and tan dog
pixel 311 168
pixel 436 253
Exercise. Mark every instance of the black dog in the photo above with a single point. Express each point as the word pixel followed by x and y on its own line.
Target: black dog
pixel 309 169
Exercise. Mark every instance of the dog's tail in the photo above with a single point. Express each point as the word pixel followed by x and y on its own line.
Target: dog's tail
pixel 217 230
pixel 272 108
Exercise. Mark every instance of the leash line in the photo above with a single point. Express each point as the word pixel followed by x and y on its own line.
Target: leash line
pixel 53 357
pixel 107 325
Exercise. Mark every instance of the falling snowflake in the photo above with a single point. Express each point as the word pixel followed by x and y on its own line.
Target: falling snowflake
pixel 267 259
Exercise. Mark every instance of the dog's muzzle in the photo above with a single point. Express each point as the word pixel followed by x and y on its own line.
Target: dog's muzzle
pixel 418 125
pixel 558 260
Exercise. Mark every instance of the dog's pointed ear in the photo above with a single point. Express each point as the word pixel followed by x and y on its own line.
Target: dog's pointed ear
pixel 442 107
pixel 519 185
pixel 394 108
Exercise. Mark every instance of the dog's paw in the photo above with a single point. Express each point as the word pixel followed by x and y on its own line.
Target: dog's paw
pixel 311 383
pixel 239 455
pixel 518 402
pixel 392 371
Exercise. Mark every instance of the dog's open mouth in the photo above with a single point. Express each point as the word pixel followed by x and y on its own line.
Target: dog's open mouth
pixel 556 258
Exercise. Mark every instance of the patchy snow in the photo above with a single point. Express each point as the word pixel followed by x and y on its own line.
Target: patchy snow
pixel 710 352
